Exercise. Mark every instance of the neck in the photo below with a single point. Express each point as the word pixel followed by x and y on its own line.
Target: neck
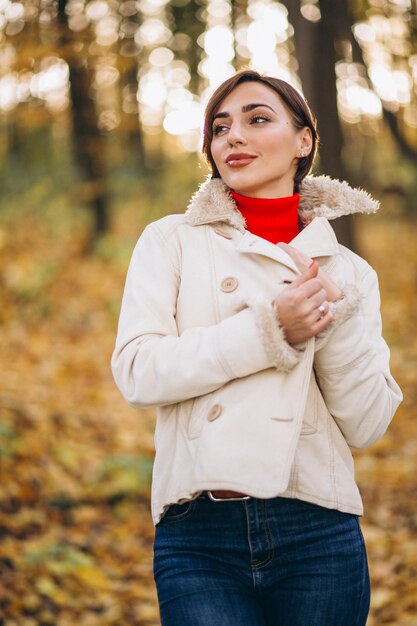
pixel 273 219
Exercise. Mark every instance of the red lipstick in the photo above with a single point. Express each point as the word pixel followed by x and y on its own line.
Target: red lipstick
pixel 239 159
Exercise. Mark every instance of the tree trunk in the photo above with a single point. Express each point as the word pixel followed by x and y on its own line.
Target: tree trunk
pixel 238 17
pixel 134 126
pixel 87 140
pixel 186 20
pixel 306 37
pixel 315 44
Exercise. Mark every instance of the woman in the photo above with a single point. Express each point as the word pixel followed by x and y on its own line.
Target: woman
pixel 266 362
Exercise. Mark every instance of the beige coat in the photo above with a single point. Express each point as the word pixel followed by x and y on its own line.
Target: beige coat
pixel 238 407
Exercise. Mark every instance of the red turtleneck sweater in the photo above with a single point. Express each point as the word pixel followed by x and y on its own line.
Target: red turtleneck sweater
pixel 274 219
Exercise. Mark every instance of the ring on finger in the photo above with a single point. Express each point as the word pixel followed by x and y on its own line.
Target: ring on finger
pixel 322 310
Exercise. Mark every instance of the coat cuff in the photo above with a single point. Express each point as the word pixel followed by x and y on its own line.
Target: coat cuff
pixel 281 354
pixel 342 310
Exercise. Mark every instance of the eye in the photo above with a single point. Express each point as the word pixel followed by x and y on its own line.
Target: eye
pixel 259 119
pixel 219 128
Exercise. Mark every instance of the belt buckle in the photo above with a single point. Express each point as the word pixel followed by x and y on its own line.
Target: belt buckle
pixel 214 499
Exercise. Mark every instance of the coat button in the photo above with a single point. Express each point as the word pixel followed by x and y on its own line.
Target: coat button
pixel 214 412
pixel 229 284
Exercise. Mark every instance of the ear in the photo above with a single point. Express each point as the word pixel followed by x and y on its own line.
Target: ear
pixel 305 141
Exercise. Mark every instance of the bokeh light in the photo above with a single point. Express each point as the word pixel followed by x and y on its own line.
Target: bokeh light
pixel 260 37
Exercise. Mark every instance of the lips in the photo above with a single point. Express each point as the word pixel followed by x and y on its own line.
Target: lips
pixel 239 159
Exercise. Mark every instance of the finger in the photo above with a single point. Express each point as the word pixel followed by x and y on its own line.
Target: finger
pixel 288 249
pixel 301 260
pixel 294 252
pixel 316 312
pixel 312 288
pixel 322 323
pixel 308 275
pixel 322 310
pixel 317 297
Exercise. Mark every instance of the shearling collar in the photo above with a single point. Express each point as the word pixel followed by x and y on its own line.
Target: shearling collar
pixel 320 196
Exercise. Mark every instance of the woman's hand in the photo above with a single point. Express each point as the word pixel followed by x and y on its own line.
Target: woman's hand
pixel 302 308
pixel 303 262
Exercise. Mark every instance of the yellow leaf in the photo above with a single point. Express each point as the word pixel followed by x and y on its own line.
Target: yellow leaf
pixel 92 576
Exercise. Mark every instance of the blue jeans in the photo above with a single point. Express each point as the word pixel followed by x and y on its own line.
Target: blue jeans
pixel 277 562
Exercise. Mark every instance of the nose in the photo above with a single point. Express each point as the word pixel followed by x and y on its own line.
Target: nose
pixel 236 135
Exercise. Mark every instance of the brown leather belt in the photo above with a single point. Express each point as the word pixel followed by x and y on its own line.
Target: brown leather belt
pixel 221 494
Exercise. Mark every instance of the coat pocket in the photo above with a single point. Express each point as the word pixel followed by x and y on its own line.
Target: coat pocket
pixel 195 414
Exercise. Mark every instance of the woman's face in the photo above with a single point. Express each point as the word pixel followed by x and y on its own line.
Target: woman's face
pixel 255 145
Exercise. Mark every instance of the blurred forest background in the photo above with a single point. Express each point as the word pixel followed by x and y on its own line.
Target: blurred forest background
pixel 101 105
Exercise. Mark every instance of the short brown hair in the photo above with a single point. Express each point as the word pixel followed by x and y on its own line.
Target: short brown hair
pixel 294 102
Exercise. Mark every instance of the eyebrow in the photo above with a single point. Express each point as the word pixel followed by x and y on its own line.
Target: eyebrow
pixel 245 109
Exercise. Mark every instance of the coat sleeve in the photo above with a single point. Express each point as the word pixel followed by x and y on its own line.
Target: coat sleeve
pixel 353 371
pixel 152 363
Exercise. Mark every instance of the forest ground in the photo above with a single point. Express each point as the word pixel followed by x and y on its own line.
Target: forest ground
pixel 75 460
